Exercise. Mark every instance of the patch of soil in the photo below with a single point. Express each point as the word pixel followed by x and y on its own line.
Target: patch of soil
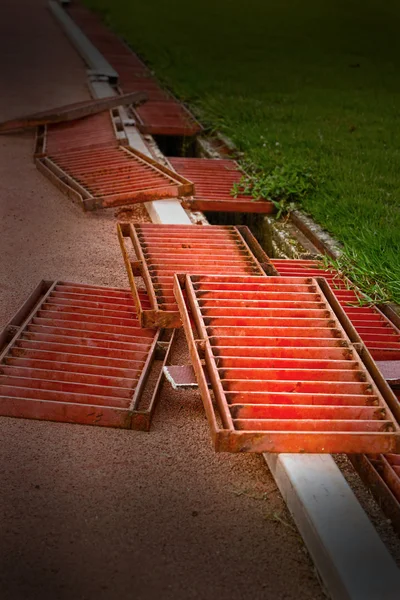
pixel 133 214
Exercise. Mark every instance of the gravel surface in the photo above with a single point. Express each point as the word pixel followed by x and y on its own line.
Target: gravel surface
pixel 95 513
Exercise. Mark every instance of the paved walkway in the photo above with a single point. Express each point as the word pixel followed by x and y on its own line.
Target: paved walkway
pixel 90 513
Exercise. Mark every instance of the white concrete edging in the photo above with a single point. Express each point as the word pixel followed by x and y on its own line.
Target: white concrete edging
pixel 92 57
pixel 348 553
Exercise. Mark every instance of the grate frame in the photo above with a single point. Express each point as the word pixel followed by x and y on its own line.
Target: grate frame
pixel 379 475
pixel 350 436
pixel 70 112
pixel 158 281
pixel 42 348
pixel 213 179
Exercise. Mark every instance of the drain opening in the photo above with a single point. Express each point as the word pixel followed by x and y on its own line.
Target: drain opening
pixel 176 145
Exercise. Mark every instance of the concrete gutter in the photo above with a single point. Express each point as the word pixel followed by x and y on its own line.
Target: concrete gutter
pixel 92 57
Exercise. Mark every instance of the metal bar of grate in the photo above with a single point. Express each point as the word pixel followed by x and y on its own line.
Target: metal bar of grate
pixel 165 117
pixel 379 334
pixel 70 112
pixel 284 377
pixel 163 250
pixel 85 160
pixel 382 477
pixel 77 354
pixel 95 131
pixel 164 114
pixel 213 183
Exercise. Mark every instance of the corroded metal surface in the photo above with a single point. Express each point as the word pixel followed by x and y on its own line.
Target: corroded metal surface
pixel 213 183
pixel 285 376
pixel 86 161
pixel 70 112
pixel 77 354
pixel 163 250
pixel 379 334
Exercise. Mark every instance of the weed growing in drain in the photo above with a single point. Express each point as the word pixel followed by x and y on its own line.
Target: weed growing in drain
pixel 285 186
pixel 372 286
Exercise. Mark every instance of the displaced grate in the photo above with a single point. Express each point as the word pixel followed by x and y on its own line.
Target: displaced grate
pixel 381 473
pixel 165 117
pixel 69 112
pixel 163 114
pixel 89 133
pixel 213 183
pixel 76 353
pixel 284 375
pixel 163 250
pixel 379 334
pixel 84 159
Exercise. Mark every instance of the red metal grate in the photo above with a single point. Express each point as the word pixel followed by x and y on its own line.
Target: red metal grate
pixel 70 112
pixel 284 375
pixel 381 473
pixel 163 114
pixel 165 117
pixel 84 159
pixel 213 180
pixel 76 353
pixel 163 250
pixel 91 132
pixel 379 334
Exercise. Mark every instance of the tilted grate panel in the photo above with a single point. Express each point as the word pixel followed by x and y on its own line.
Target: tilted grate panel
pixel 96 131
pixel 284 375
pixel 163 250
pixel 214 180
pixel 85 160
pixel 77 354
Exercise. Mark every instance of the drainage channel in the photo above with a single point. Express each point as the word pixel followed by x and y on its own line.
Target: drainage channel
pixel 342 578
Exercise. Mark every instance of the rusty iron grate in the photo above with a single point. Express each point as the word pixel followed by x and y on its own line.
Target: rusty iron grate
pixel 213 182
pixel 285 377
pixel 76 353
pixel 163 250
pixel 163 114
pixel 381 472
pixel 83 158
pixel 69 112
pixel 378 333
pixel 165 117
pixel 89 133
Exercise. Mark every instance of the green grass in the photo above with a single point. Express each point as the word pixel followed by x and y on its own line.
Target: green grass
pixel 307 83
